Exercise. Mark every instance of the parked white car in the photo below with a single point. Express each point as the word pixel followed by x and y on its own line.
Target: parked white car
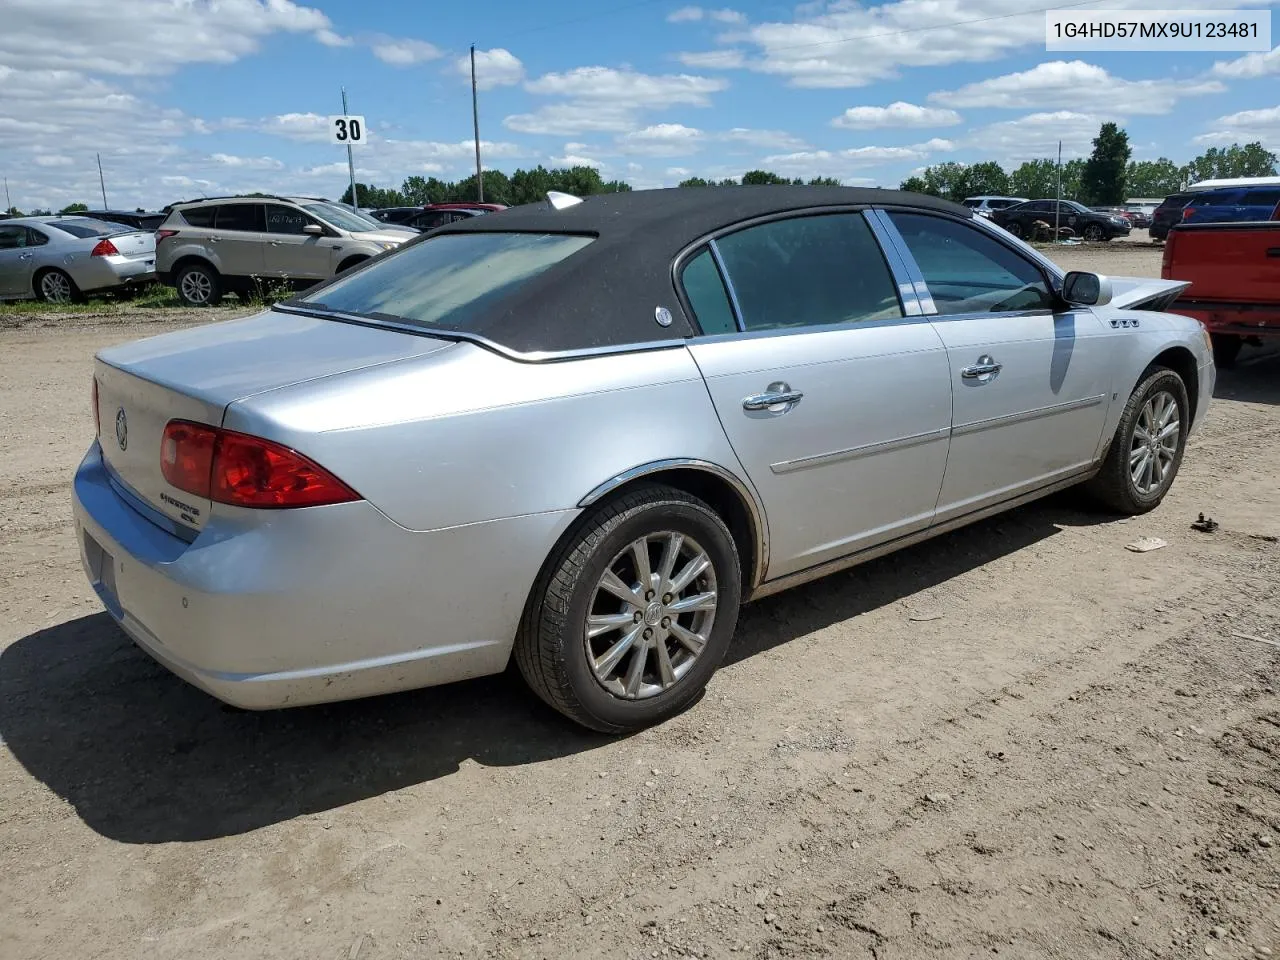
pixel 985 206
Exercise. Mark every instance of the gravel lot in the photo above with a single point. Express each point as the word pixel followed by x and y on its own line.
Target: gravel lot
pixel 1019 739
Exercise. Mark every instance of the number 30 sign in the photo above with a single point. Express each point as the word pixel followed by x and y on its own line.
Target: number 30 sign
pixel 344 130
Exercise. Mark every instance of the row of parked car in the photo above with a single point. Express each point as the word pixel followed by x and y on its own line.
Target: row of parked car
pixel 1251 202
pixel 206 248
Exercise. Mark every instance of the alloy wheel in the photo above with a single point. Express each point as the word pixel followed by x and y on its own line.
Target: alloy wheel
pixel 1154 447
pixel 196 287
pixel 651 615
pixel 55 287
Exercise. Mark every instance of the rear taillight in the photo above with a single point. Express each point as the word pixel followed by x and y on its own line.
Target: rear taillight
pixel 97 417
pixel 1166 258
pixel 165 234
pixel 104 248
pixel 1187 212
pixel 244 471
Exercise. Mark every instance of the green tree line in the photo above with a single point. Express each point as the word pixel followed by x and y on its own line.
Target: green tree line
pixel 1108 177
pixel 523 186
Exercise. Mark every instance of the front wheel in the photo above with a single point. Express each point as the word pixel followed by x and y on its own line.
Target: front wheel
pixel 1014 227
pixel 1094 233
pixel 633 614
pixel 1148 445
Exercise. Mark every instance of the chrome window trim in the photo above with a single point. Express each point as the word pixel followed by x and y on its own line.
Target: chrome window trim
pixel 727 282
pixel 908 290
pixel 911 269
pixel 743 488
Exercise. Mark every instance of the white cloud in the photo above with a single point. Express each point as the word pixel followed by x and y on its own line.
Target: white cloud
pixel 765 139
pixel 662 140
pixel 403 52
pixel 1244 127
pixel 331 39
pixel 494 68
pixel 896 114
pixel 714 59
pixel 1076 85
pixel 52 160
pixel 293 126
pixel 678 173
pixel 143 37
pixel 843 43
pixel 1037 135
pixel 685 15
pixel 1249 66
pixel 247 163
pixel 573 160
pixel 603 99
pixel 840 163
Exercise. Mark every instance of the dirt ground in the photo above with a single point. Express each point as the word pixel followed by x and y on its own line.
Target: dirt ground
pixel 1019 739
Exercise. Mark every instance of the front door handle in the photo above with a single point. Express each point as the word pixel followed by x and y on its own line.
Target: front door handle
pixel 775 395
pixel 215 239
pixel 984 370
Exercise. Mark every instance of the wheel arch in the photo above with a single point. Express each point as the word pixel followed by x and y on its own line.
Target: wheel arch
pixel 1182 361
pixel 726 493
pixel 351 261
pixel 187 259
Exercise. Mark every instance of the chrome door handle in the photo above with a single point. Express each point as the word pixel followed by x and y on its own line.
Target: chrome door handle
pixel 776 395
pixel 275 243
pixel 215 239
pixel 985 369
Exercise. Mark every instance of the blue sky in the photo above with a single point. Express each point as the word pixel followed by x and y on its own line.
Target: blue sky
pixel 192 97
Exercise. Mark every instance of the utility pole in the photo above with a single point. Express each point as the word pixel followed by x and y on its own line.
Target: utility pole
pixel 101 182
pixel 475 121
pixel 1057 207
pixel 351 164
pixel 8 204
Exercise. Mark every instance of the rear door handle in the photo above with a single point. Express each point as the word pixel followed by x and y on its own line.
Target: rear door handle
pixel 985 369
pixel 776 395
pixel 215 239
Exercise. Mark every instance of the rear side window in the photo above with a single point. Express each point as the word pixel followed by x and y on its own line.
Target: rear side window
pixel 35 238
pixel 809 271
pixel 705 290
pixel 199 216
pixel 968 272
pixel 1222 198
pixel 239 216
pixel 1268 197
pixel 447 281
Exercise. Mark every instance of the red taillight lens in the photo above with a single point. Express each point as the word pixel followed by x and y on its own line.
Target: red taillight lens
pixel 245 471
pixel 97 417
pixel 186 456
pixel 104 248
pixel 165 234
pixel 1187 212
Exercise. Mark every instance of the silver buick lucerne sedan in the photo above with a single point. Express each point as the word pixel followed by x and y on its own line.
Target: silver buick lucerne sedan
pixel 583 432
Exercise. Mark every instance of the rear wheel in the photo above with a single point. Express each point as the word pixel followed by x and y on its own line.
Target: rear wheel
pixel 1014 227
pixel 199 285
pixel 1226 349
pixel 1148 445
pixel 633 614
pixel 55 286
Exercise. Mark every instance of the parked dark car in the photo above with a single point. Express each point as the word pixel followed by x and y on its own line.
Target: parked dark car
pixel 1167 214
pixel 1233 205
pixel 1076 217
pixel 395 214
pixel 438 214
pixel 130 218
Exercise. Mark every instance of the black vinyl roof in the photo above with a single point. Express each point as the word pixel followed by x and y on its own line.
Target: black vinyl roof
pixel 606 294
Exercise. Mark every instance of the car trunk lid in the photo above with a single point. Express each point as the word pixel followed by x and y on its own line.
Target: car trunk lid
pixel 135 245
pixel 195 374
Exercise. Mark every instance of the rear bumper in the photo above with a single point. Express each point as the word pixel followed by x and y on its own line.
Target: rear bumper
pixel 320 604
pixel 102 273
pixel 1239 319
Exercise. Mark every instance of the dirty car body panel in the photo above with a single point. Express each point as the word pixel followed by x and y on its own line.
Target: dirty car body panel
pixel 801 358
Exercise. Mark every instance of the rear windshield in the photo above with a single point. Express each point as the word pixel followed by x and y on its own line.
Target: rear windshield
pixel 88 228
pixel 447 281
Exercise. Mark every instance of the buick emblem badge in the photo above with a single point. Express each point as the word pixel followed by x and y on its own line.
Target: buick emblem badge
pixel 122 429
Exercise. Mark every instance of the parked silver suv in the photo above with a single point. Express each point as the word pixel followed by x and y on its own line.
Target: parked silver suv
pixel 220 245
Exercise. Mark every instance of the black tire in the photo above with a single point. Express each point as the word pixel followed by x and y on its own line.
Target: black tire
pixel 47 280
pixel 552 647
pixel 1114 486
pixel 1093 233
pixel 194 277
pixel 1015 228
pixel 1226 349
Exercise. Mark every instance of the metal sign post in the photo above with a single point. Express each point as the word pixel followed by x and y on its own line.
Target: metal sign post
pixel 102 183
pixel 1057 207
pixel 348 130
pixel 475 124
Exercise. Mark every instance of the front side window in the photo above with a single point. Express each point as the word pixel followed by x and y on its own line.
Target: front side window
pixel 239 216
pixel 809 271
pixel 446 281
pixel 282 219
pixel 968 272
pixel 705 291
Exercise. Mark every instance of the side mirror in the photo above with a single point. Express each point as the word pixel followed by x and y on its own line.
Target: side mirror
pixel 313 230
pixel 1082 289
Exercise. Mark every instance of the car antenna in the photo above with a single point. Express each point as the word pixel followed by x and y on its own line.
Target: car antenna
pixel 562 200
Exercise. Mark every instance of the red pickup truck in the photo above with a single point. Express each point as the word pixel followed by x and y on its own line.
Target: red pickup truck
pixel 1234 270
